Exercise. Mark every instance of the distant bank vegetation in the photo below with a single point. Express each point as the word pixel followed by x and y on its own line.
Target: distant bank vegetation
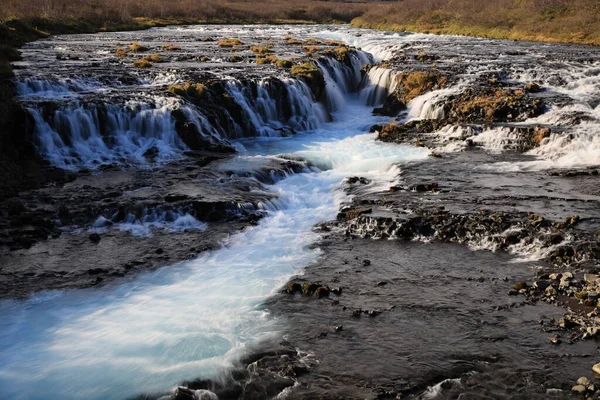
pixel 546 20
pixel 576 21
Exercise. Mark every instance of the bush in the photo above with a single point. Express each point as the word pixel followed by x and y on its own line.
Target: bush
pixel 281 63
pixel 142 63
pixel 188 89
pixel 138 48
pixel 306 70
pixel 231 42
pixel 260 49
pixel 170 47
pixel 120 52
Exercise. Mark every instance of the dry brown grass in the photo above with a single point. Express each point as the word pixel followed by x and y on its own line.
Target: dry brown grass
pixel 544 20
pixel 122 11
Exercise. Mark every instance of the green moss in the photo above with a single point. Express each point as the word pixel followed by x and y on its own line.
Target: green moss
pixel 170 47
pixel 231 42
pixel 138 48
pixel 260 49
pixel 120 52
pixel 142 63
pixel 307 70
pixel 188 89
pixel 281 63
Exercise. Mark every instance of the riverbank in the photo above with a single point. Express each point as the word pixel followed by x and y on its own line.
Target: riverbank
pixel 542 21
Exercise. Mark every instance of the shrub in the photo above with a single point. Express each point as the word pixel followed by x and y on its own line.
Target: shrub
pixel 260 49
pixel 281 63
pixel 231 42
pixel 188 89
pixel 170 47
pixel 142 63
pixel 120 52
pixel 138 48
pixel 306 70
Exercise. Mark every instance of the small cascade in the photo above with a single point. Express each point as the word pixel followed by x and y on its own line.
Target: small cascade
pixel 342 78
pixel 431 105
pixel 274 107
pixel 89 134
pixel 81 123
pixel 377 85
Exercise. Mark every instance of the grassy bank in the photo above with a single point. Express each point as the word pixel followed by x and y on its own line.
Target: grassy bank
pixel 568 21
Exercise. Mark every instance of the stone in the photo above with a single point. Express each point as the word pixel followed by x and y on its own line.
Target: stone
pixel 590 278
pixel 366 262
pixel 520 286
pixel 592 332
pixel 579 389
pixel 582 295
pixel 321 292
pixel 567 276
pixel 95 237
pixel 596 368
pixel 308 288
pixel 541 285
pixel 182 393
pixel 584 381
pixel 293 287
pixel 555 277
pixel 555 340
pixel 336 290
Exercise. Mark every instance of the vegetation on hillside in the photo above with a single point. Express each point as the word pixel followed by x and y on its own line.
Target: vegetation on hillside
pixel 576 21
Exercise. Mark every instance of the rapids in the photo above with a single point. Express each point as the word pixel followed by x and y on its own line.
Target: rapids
pixel 197 318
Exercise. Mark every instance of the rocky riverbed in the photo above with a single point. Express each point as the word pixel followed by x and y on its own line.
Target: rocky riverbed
pixel 241 235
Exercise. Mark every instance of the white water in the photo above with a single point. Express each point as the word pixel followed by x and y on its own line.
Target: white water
pixel 195 318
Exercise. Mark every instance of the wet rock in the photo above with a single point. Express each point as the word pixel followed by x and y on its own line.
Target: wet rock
pixel 336 291
pixel 520 285
pixel 596 368
pixel 532 88
pixel 175 197
pixel 366 263
pixel 295 370
pixel 584 381
pixel 391 107
pixel 182 393
pixel 293 287
pixel 309 288
pixel 353 180
pixel 322 291
pixel 579 389
pixel 353 212
pixel 95 237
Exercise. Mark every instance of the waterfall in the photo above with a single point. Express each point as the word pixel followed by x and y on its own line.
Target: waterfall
pixel 84 123
pixel 342 78
pixel 90 134
pixel 274 107
pixel 377 85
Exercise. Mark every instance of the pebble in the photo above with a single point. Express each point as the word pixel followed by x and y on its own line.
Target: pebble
pixel 584 381
pixel 579 389
pixel 596 368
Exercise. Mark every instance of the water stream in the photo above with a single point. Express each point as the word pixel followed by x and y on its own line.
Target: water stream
pixel 198 317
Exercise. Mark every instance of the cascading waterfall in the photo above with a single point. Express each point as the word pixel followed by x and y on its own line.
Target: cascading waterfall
pixel 83 123
pixel 274 107
pixel 196 318
pixel 377 85
pixel 78 134
pixel 342 79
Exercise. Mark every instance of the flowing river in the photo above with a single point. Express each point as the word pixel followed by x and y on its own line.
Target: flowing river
pixel 197 318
